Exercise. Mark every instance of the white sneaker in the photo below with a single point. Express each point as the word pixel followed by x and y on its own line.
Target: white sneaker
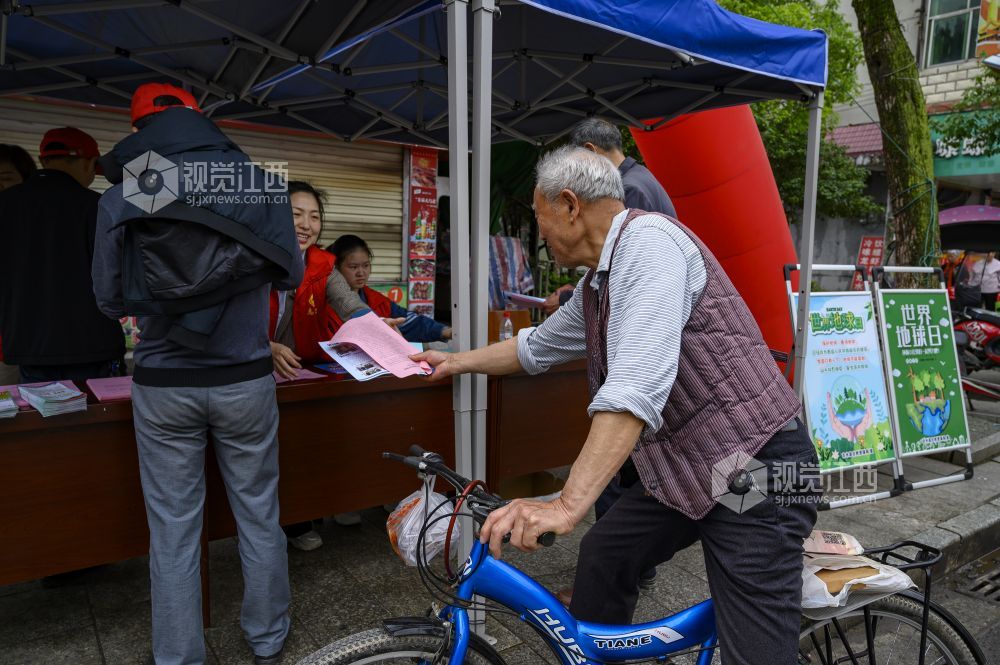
pixel 348 519
pixel 307 542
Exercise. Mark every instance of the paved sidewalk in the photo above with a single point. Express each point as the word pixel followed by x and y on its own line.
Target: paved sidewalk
pixel 101 616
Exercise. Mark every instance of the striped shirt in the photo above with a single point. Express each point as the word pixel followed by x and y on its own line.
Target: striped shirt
pixel 658 275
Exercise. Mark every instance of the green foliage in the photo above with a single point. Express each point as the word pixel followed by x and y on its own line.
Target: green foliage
pixel 784 124
pixel 981 127
pixel 939 382
pixel 629 148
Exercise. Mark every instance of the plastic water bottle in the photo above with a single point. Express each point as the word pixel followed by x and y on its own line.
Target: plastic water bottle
pixel 507 328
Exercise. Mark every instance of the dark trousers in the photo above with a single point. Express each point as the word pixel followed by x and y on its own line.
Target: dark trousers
pixel 990 301
pixel 78 372
pixel 753 558
pixel 611 494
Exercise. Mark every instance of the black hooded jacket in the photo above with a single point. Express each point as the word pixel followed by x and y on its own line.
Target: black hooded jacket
pixel 194 255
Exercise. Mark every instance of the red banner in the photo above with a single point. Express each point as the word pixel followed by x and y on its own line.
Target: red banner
pixel 422 250
pixel 869 255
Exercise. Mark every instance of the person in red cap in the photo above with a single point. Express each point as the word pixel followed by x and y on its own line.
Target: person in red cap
pixel 151 98
pixel 49 320
pixel 202 371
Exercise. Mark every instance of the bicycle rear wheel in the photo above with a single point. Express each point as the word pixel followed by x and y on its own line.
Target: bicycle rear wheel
pixel 894 638
pixel 376 647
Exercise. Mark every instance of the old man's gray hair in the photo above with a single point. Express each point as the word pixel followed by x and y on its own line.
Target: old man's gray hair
pixel 585 173
pixel 601 133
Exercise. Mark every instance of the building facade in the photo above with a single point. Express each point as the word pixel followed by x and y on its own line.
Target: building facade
pixel 948 39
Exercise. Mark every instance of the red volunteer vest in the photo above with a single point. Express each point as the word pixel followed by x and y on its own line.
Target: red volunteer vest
pixel 312 317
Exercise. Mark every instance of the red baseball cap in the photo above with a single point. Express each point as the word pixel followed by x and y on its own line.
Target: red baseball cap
pixel 68 142
pixel 146 100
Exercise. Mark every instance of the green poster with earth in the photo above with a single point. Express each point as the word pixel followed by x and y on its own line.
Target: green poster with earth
pixel 923 366
pixel 846 400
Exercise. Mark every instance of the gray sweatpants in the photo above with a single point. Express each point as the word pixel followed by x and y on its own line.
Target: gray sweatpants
pixel 172 429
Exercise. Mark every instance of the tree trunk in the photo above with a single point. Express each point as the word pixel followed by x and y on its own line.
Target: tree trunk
pixel 902 112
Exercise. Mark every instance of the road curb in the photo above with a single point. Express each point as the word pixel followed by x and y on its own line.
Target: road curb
pixel 965 537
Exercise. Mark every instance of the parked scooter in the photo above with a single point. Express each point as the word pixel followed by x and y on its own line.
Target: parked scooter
pixel 977 330
pixel 982 335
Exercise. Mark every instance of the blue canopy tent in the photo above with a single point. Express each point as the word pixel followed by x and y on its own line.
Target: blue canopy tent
pixel 398 71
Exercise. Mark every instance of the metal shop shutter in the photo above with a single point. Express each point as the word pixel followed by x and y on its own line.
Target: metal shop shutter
pixel 363 182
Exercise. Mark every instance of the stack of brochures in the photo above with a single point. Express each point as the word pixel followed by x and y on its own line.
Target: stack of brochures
pixel 8 407
pixel 54 399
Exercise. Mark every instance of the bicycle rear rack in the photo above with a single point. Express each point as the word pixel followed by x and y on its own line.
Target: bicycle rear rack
pixel 905 555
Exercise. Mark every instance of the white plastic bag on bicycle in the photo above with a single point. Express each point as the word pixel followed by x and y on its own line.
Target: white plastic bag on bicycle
pixel 406 522
pixel 821 601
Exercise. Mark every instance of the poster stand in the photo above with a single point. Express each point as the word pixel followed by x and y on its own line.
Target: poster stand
pixel 869 467
pixel 877 293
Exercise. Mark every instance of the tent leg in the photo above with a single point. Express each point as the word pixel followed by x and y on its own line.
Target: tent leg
pixel 482 93
pixel 458 150
pixel 3 40
pixel 482 12
pixel 806 239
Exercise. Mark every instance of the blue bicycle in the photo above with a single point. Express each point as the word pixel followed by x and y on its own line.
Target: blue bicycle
pixel 905 628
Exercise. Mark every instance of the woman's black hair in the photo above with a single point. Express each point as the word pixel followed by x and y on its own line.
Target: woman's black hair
pixel 346 244
pixel 297 186
pixel 19 158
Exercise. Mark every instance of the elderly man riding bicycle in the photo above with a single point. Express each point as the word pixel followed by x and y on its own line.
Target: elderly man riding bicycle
pixel 685 395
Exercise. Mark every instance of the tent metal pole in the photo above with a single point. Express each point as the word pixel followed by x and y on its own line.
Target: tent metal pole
pixel 274 49
pixel 81 7
pixel 458 176
pixel 3 40
pixel 482 13
pixel 806 240
pixel 145 62
pixel 341 28
pixel 145 50
pixel 80 79
pixel 482 72
pixel 266 59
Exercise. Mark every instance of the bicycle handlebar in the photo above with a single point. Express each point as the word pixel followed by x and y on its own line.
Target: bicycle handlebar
pixel 480 503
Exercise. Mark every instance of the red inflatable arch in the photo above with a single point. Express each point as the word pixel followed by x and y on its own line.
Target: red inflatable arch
pixel 714 168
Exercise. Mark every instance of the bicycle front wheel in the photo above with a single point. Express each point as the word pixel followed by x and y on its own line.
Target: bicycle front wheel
pixel 376 647
pixel 894 637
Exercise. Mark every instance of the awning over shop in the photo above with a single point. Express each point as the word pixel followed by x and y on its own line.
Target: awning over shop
pixel 965 165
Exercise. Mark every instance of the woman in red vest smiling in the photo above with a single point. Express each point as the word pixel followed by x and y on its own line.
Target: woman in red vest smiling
pixel 354 261
pixel 303 318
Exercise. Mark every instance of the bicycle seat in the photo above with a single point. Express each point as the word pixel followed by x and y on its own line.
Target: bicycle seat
pixel 984 315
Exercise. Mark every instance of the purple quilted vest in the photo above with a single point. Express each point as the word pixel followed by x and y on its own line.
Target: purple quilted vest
pixel 729 395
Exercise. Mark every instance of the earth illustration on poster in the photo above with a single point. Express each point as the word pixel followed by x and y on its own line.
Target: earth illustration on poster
pixel 930 409
pixel 847 406
pixel 924 371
